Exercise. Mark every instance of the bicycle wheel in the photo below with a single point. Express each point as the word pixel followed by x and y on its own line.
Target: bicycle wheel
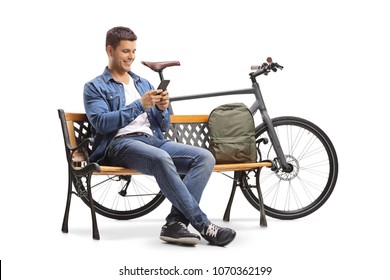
pixel 315 168
pixel 122 197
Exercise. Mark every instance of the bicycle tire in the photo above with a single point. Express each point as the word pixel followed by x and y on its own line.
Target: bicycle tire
pixel 112 199
pixel 297 194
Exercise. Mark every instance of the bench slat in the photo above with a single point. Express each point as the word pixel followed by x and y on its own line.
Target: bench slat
pixel 240 166
pixel 189 118
pixel 117 170
pixel 76 117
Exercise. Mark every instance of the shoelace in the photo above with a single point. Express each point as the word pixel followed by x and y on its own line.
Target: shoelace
pixel 212 230
pixel 183 225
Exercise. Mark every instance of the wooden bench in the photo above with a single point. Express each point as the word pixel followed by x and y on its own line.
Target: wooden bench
pixel 188 129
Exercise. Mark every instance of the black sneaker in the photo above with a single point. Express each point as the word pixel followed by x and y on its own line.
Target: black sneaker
pixel 177 232
pixel 216 235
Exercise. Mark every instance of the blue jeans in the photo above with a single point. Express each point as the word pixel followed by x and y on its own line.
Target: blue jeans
pixel 166 161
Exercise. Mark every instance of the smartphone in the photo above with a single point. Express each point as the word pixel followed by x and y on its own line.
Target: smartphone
pixel 163 85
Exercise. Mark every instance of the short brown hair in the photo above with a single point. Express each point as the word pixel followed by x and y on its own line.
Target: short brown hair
pixel 116 34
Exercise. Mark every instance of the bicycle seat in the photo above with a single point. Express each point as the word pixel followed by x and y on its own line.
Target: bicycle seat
pixel 159 66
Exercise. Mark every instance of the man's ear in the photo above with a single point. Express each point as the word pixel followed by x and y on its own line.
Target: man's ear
pixel 109 50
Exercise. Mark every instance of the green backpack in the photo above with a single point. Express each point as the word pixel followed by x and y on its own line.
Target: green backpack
pixel 232 134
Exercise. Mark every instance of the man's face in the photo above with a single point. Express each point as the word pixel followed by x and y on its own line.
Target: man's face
pixel 123 56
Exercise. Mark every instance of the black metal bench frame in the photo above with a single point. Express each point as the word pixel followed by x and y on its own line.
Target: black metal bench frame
pixel 187 129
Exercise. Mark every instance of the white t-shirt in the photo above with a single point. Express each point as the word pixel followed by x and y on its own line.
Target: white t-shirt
pixel 139 124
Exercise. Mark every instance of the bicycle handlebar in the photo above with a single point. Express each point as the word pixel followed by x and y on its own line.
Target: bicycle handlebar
pixel 265 68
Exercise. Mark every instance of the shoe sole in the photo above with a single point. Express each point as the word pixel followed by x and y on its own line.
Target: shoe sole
pixel 224 243
pixel 183 240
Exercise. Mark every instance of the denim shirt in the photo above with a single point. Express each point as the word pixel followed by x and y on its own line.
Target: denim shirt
pixel 106 109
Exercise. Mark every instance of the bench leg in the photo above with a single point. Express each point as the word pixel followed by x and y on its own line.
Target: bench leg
pixel 226 216
pixel 95 230
pixel 263 219
pixel 67 207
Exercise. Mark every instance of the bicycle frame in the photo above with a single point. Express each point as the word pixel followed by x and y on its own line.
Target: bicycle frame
pixel 258 105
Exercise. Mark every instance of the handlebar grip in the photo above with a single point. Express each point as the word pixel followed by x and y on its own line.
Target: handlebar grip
pixel 258 67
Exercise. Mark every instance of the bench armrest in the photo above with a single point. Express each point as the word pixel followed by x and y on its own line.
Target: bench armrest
pixel 79 160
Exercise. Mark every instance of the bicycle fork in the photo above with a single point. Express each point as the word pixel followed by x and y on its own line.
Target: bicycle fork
pixel 280 160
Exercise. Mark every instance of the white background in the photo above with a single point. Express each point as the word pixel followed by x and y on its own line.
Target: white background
pixel 336 57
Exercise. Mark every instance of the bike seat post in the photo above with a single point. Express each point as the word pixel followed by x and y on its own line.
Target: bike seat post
pixel 160 73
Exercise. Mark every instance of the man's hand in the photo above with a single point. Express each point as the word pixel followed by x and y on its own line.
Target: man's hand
pixel 164 101
pixel 155 97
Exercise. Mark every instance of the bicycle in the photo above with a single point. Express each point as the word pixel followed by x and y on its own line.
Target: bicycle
pixel 302 178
